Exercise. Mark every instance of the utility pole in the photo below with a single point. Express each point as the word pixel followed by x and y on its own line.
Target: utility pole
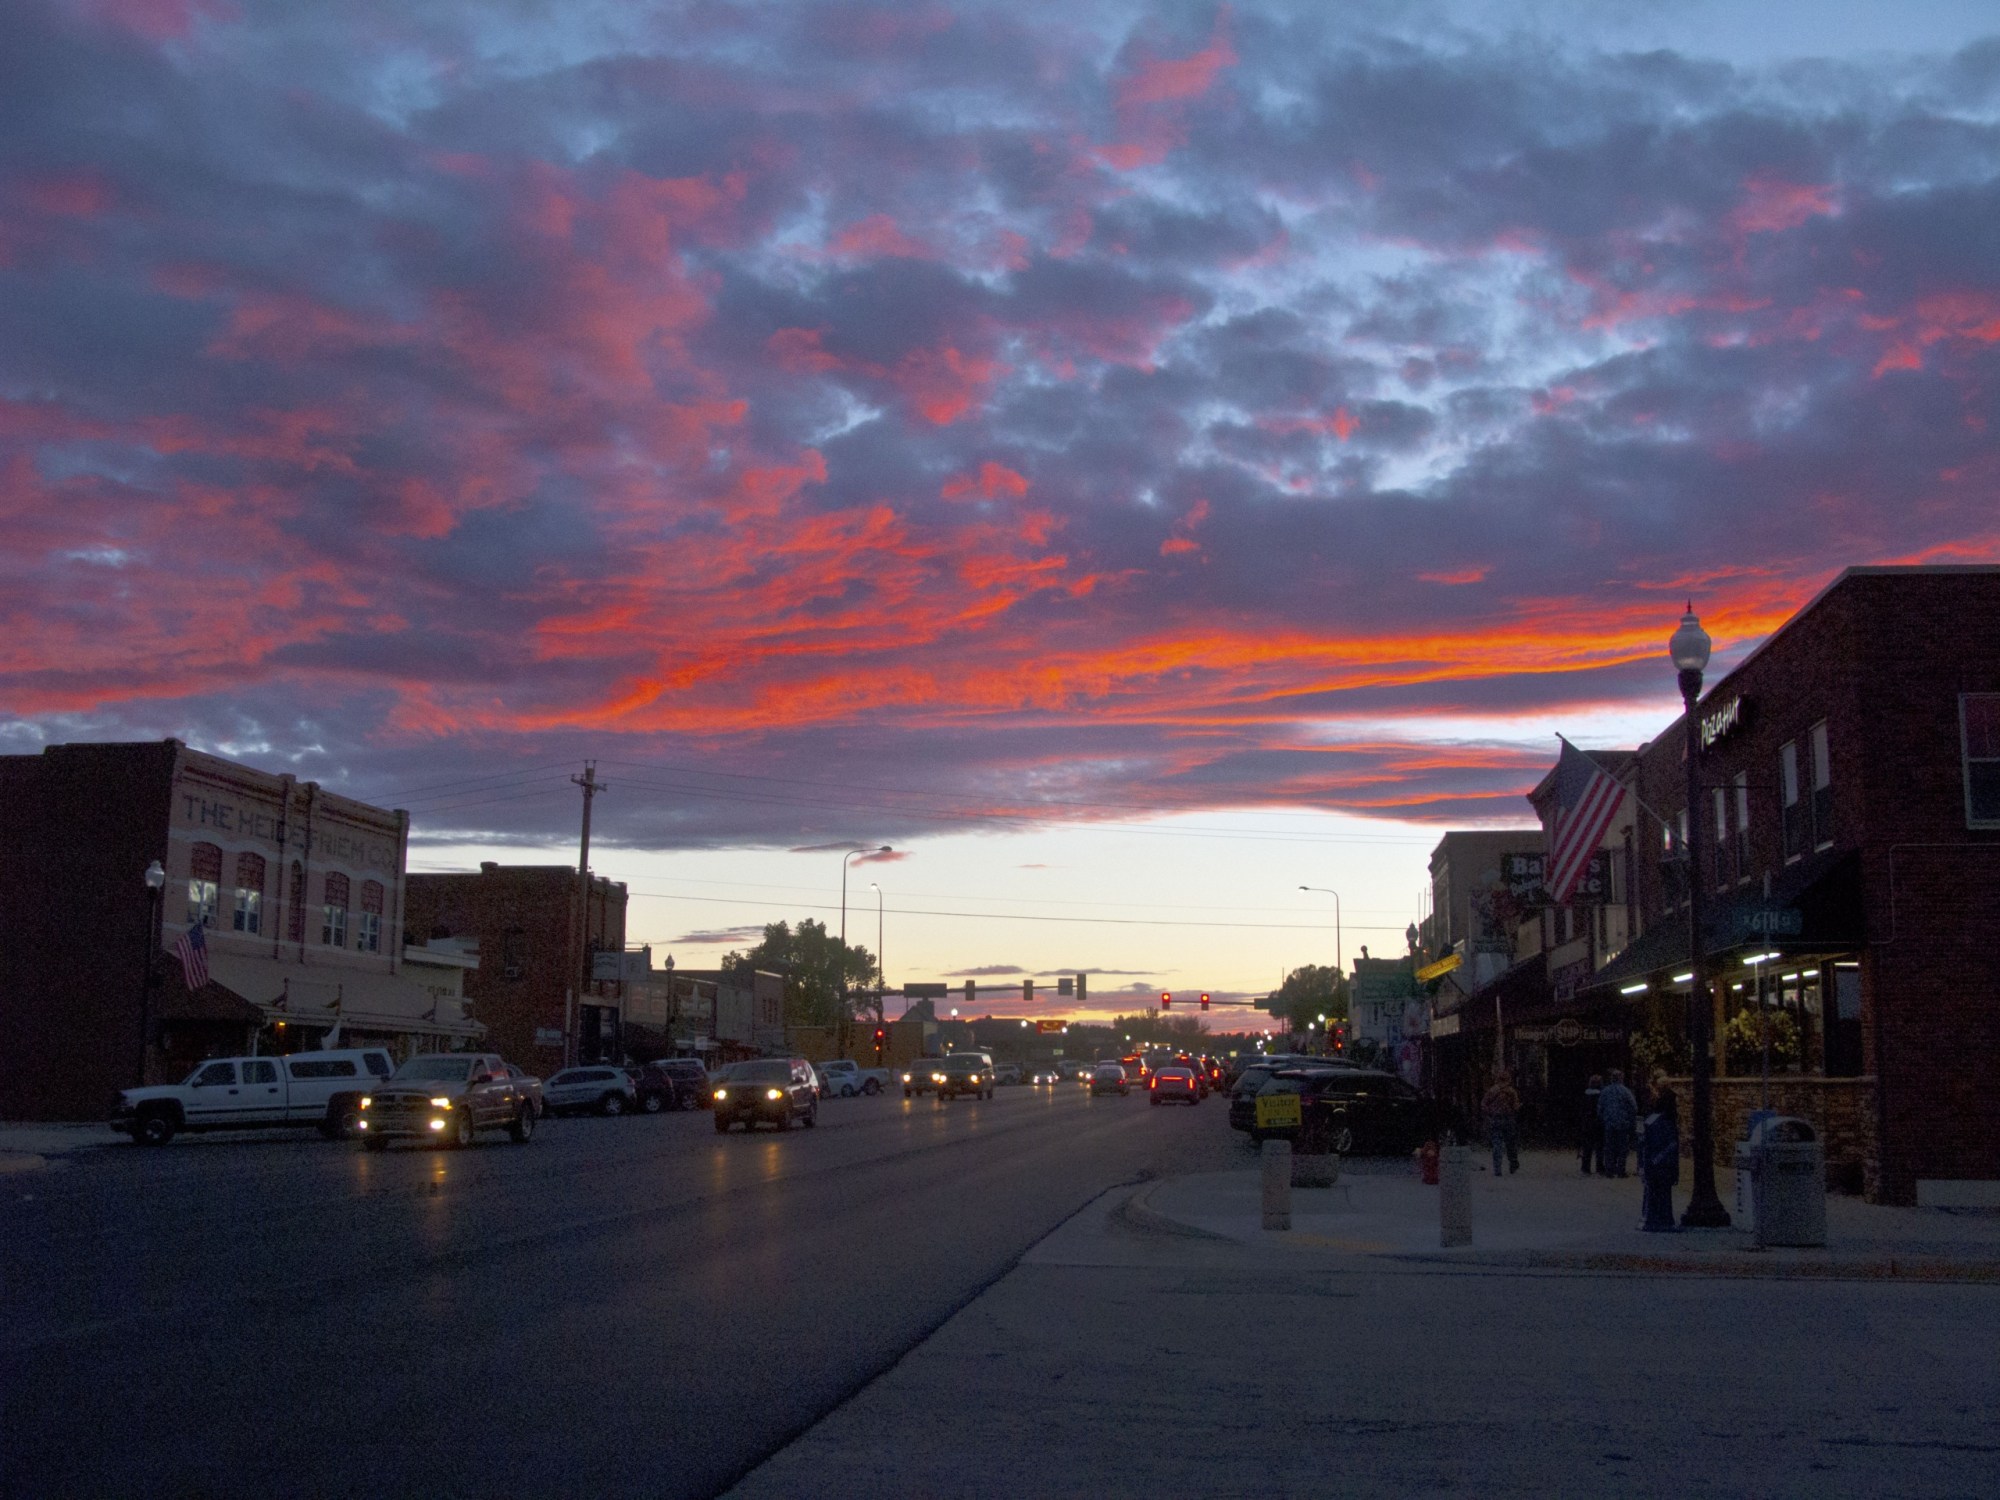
pixel 580 921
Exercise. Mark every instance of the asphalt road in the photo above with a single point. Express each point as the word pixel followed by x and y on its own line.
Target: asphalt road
pixel 620 1307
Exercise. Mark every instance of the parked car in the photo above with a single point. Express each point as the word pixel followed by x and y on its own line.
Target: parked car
pixel 1362 1111
pixel 322 1089
pixel 1173 1083
pixel 445 1097
pixel 845 1077
pixel 920 1077
pixel 531 1086
pixel 964 1073
pixel 1009 1073
pixel 1109 1078
pixel 602 1088
pixel 678 1082
pixel 781 1090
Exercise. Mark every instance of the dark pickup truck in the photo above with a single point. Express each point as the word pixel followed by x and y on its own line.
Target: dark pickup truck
pixel 446 1097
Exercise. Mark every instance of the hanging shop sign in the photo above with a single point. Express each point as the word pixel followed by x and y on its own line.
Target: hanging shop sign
pixel 1522 874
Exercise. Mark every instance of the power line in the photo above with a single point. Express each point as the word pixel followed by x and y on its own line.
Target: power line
pixel 973 916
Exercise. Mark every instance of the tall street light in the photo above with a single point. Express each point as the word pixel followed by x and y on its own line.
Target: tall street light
pixel 881 973
pixel 156 883
pixel 884 849
pixel 1689 649
pixel 1339 964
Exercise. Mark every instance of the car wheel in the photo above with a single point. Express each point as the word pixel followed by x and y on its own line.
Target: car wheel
pixel 1154 1100
pixel 461 1133
pixel 721 1125
pixel 784 1121
pixel 375 1142
pixel 872 1087
pixel 523 1128
pixel 847 1091
pixel 341 1120
pixel 154 1128
pixel 611 1104
pixel 812 1117
pixel 1343 1140
pixel 652 1102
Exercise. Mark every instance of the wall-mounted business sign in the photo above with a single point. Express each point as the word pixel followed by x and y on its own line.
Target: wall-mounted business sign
pixel 1718 721
pixel 1768 921
pixel 1522 875
pixel 1568 1032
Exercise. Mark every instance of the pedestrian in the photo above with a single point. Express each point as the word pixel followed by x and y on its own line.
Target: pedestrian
pixel 1502 1109
pixel 1618 1112
pixel 1590 1129
pixel 1660 1161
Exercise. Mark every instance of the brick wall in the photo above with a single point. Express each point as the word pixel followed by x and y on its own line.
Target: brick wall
pixel 1842 1110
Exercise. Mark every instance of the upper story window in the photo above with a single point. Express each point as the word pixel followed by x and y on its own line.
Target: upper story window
pixel 204 884
pixel 249 893
pixel 295 900
pixel 1979 729
pixel 1725 850
pixel 1792 809
pixel 333 914
pixel 1822 788
pixel 368 928
pixel 1741 787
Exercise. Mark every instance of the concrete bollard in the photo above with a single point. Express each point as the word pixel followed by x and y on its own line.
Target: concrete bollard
pixel 1277 1184
pixel 1455 1196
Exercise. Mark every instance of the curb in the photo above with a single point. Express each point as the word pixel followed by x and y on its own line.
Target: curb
pixel 1136 1213
pixel 12 1162
pixel 1893 1268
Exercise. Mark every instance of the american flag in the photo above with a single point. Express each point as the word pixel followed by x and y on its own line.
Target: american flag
pixel 192 951
pixel 1586 802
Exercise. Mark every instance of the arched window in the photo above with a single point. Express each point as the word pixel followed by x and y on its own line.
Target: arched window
pixel 249 893
pixel 204 883
pixel 368 930
pixel 295 901
pixel 333 924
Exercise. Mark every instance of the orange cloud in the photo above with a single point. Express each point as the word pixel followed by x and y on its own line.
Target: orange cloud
pixel 992 481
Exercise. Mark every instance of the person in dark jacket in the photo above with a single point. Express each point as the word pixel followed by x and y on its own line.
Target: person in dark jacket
pixel 1660 1161
pixel 1590 1129
pixel 1619 1112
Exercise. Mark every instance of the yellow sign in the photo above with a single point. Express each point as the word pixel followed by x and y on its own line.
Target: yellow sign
pixel 1439 969
pixel 1278 1111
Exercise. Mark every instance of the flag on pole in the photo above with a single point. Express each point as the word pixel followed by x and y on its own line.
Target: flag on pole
pixel 1586 802
pixel 192 951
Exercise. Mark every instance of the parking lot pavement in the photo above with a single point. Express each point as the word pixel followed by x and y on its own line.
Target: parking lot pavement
pixel 31 1147
pixel 1550 1215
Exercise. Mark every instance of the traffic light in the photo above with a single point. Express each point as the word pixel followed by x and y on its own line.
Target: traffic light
pixel 1028 991
pixel 971 991
pixel 881 1041
pixel 1166 1000
pixel 1340 1038
pixel 1082 988
pixel 1065 986
pixel 1204 999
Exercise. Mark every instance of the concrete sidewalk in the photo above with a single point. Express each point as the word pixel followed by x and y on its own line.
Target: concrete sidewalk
pixel 1550 1215
pixel 31 1147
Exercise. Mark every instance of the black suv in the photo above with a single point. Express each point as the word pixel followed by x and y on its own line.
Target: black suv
pixel 963 1073
pixel 1361 1111
pixel 671 1083
pixel 777 1089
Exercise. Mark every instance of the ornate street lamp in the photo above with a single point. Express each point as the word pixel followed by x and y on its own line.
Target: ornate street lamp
pixel 1689 649
pixel 156 884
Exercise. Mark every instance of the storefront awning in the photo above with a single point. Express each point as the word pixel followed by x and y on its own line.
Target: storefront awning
pixel 320 996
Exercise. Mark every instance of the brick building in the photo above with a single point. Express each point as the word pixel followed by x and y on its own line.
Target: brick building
pixel 299 890
pixel 529 989
pixel 1850 797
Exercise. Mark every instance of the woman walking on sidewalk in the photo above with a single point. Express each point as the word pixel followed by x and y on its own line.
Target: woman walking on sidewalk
pixel 1660 1161
pixel 1502 1108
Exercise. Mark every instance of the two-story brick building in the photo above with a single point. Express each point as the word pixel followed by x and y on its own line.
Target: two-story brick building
pixel 1850 806
pixel 299 892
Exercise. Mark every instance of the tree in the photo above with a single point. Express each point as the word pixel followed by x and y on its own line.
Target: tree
pixel 821 974
pixel 1309 992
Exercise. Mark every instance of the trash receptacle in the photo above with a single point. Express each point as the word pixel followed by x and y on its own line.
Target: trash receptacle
pixel 1788 1183
pixel 1743 1212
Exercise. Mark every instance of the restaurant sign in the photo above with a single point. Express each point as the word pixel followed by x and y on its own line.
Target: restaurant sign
pixel 1522 874
pixel 1568 1032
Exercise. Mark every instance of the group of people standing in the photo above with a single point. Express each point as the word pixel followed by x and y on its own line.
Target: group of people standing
pixel 1610 1118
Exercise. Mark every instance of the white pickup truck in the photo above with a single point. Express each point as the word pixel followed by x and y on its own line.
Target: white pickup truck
pixel 845 1078
pixel 243 1093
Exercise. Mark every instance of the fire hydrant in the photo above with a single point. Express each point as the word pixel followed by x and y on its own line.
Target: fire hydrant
pixel 1427 1163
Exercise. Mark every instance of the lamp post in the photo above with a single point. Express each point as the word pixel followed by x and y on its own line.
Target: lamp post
pixel 1339 963
pixel 884 849
pixel 1689 649
pixel 156 884
pixel 881 973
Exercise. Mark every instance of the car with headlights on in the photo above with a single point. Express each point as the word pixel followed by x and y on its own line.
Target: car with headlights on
pixel 1109 1078
pixel 1043 1075
pixel 780 1091
pixel 445 1097
pixel 964 1073
pixel 921 1076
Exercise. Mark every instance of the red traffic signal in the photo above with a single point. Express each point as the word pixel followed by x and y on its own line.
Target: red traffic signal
pixel 1204 999
pixel 1166 1000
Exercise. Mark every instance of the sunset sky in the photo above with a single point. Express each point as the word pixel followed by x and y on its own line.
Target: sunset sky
pixel 1135 460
